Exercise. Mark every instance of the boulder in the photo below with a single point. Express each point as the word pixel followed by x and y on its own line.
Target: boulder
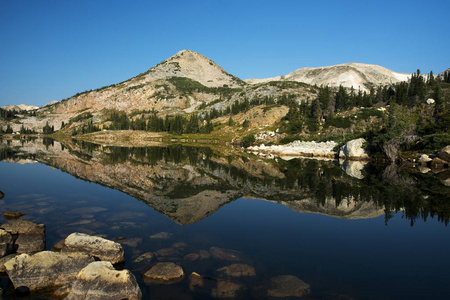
pixel 98 247
pixel 225 254
pixel 33 240
pixel 18 226
pixel 6 243
pixel 2 195
pixel 237 270
pixel 99 280
pixel 164 272
pixel 8 214
pixel 45 269
pixel 354 149
pixel 215 288
pixel 287 286
pixel 444 154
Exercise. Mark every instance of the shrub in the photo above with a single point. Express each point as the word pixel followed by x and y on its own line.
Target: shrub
pixel 248 140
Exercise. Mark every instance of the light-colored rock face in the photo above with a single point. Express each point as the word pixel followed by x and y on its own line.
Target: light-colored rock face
pixel 45 269
pixel 6 242
pixel 354 149
pixel 355 75
pixel 101 248
pixel 193 65
pixel 20 107
pixel 99 280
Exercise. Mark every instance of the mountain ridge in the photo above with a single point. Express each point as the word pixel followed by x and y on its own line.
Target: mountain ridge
pixel 350 75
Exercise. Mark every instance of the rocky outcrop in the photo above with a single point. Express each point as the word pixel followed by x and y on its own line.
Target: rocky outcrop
pixel 164 272
pixel 45 269
pixel 99 280
pixel 98 247
pixel 298 149
pixel 354 149
pixel 287 286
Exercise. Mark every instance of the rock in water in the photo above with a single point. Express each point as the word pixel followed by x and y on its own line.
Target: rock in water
pixel 288 286
pixel 101 248
pixel 99 280
pixel 237 270
pixel 8 214
pixel 18 226
pixel 33 240
pixel 164 272
pixel 2 195
pixel 45 269
pixel 215 288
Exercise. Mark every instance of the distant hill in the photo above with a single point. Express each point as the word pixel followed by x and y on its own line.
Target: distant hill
pixel 356 75
pixel 20 107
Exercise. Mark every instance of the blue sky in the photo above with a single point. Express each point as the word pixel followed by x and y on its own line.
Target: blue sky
pixel 52 49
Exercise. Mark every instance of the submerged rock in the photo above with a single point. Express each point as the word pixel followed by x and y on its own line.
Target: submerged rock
pixel 164 272
pixel 45 269
pixel 99 280
pixel 225 254
pixel 2 195
pixel 101 248
pixel 161 235
pixel 192 257
pixel 144 258
pixel 287 286
pixel 8 214
pixel 215 288
pixel 237 270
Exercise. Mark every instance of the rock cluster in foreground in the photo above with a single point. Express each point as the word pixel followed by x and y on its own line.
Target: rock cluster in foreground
pixel 73 272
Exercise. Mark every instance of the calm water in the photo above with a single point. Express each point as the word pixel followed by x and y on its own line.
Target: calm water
pixel 383 235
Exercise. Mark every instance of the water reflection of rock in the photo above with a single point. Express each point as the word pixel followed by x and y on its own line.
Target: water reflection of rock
pixel 348 209
pixel 353 168
pixel 189 190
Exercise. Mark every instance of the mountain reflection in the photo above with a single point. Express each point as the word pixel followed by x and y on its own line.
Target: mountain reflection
pixel 187 184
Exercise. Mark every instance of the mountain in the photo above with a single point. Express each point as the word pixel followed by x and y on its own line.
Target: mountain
pixel 20 107
pixel 356 75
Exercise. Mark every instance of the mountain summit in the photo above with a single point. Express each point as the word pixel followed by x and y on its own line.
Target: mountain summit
pixel 195 66
pixel 356 75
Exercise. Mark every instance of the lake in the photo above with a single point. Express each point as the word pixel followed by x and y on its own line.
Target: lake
pixel 349 230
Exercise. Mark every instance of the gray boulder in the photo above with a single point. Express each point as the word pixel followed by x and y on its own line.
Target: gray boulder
pixel 354 149
pixel 99 280
pixel 101 248
pixel 45 269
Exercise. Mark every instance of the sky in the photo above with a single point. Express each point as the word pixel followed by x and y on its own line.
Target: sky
pixel 53 49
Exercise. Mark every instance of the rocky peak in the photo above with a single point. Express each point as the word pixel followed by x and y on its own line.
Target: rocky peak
pixel 193 65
